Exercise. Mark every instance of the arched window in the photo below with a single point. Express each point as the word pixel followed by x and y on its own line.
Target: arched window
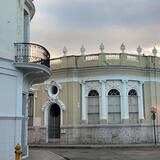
pixel 113 92
pixel 133 106
pixel 93 93
pixel 93 107
pixel 114 107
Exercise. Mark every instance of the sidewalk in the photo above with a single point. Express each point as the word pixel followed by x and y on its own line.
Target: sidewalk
pixel 43 155
pixel 50 145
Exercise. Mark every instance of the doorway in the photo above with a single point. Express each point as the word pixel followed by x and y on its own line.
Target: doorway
pixel 54 122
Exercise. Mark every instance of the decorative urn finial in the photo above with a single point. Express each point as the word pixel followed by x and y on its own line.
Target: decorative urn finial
pixel 122 47
pixel 139 50
pixel 82 50
pixel 154 51
pixel 101 47
pixel 65 50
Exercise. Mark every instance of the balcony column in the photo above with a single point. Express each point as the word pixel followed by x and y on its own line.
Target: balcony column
pixel 124 103
pixel 103 108
pixel 26 27
pixel 140 102
pixel 84 108
pixel 46 110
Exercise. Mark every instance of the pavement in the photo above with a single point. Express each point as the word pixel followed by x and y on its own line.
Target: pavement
pixel 48 151
pixel 43 155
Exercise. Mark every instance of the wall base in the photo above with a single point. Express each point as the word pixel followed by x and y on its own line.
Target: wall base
pixel 37 135
pixel 108 134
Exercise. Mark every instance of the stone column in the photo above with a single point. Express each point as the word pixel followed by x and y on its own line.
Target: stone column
pixel 124 103
pixel 103 107
pixel 84 108
pixel 140 102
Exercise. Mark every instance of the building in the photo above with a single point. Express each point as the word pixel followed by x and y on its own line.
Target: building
pixel 104 98
pixel 21 65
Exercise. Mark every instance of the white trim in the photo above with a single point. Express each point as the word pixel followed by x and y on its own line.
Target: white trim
pixel 123 86
pixel 84 108
pixel 103 106
pixel 6 117
pixel 140 102
pixel 45 109
pixel 125 109
pixel 110 77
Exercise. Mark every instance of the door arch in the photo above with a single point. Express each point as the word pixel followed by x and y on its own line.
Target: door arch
pixel 54 121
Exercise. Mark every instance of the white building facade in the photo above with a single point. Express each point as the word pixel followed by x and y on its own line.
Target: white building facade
pixel 21 63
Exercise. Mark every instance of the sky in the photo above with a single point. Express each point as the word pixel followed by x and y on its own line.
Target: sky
pixel 73 23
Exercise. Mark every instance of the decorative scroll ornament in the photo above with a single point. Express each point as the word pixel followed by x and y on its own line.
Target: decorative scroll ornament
pixel 139 50
pixel 132 85
pixel 114 85
pixel 154 51
pixel 122 47
pixel 101 47
pixel 65 50
pixel 82 50
pixel 93 86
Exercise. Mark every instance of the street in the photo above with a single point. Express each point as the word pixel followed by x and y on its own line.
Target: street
pixel 109 153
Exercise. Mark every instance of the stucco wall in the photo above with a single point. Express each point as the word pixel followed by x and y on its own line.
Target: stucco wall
pixel 70 96
pixel 41 96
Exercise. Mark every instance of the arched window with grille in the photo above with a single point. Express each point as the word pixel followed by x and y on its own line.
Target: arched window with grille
pixel 93 107
pixel 114 107
pixel 133 106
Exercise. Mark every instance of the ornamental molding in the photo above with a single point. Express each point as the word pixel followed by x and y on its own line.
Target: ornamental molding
pixel 51 101
pixel 50 86
pixel 53 98
pixel 113 85
pixel 93 86
pixel 132 85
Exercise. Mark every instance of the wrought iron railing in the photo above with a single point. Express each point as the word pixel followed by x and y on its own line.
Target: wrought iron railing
pixel 32 53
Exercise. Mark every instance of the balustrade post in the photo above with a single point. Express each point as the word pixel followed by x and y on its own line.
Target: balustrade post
pixel 18 152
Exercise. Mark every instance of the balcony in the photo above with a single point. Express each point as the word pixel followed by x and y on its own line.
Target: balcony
pixel 33 60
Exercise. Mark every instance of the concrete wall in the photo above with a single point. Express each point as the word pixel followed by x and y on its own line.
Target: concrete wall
pixel 109 134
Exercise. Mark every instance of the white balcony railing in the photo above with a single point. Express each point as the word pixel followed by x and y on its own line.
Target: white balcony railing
pixel 91 57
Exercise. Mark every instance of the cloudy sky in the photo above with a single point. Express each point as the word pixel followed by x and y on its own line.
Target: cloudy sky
pixel 73 23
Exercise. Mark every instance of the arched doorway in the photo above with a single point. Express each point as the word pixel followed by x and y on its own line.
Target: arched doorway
pixel 54 121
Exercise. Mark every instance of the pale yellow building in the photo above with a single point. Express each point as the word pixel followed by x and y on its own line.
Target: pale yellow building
pixel 103 98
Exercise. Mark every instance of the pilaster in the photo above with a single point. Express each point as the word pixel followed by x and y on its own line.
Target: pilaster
pixel 84 108
pixel 140 102
pixel 103 107
pixel 124 106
